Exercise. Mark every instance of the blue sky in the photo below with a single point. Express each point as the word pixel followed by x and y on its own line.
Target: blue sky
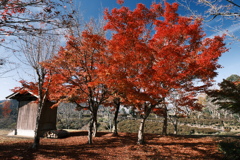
pixel 93 9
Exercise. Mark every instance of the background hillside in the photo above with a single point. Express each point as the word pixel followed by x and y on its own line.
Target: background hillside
pixel 8 114
pixel 210 120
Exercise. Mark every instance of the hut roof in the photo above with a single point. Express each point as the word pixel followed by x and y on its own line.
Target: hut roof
pixel 23 96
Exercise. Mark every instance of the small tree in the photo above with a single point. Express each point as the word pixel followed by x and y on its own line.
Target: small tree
pixel 37 50
pixel 181 103
pixel 233 78
pixel 114 101
pixel 75 76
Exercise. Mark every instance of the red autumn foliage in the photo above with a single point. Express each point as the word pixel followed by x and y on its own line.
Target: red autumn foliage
pixel 120 2
pixel 26 87
pixel 6 110
pixel 154 50
pixel 151 52
pixel 74 74
pixel 29 87
pixel 12 7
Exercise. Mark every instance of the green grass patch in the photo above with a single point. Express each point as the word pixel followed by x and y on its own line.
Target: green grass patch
pixel 155 127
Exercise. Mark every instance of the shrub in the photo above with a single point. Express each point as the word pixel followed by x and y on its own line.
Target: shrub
pixel 231 149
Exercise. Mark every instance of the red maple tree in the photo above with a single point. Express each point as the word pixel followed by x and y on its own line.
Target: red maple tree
pixel 75 74
pixel 154 50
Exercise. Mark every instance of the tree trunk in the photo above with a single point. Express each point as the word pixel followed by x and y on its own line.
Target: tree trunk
pixel 41 104
pixel 117 105
pixel 176 126
pixel 147 111
pixel 95 127
pixel 36 141
pixel 141 132
pixel 90 132
pixel 165 122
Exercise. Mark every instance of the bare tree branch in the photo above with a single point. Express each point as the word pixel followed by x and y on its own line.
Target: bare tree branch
pixel 233 3
pixel 218 11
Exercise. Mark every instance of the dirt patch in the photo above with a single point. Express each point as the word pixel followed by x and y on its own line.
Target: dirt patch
pixel 108 147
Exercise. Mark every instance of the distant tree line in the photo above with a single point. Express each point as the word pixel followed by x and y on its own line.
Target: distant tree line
pixel 8 114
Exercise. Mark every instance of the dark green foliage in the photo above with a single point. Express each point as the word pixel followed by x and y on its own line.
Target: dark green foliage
pixel 233 78
pixel 231 149
pixel 7 123
pixel 228 97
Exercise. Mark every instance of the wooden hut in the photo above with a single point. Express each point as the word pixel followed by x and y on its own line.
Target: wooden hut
pixel 27 113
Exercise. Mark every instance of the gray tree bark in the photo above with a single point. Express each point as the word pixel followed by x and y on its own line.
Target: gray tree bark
pixel 141 132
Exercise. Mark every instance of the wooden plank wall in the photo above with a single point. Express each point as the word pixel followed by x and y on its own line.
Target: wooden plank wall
pixel 48 118
pixel 27 115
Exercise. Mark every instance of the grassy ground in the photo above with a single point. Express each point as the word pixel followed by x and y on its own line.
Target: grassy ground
pixel 108 147
pixel 4 132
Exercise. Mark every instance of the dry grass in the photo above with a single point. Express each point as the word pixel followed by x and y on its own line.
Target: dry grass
pixel 4 132
pixel 106 146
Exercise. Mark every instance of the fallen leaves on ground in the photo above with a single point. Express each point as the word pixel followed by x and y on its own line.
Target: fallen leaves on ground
pixel 107 146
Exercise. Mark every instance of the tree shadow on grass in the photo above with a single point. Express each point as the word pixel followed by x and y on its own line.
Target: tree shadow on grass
pixel 85 133
pixel 191 143
pixel 15 151
pixel 58 148
pixel 107 146
pixel 22 151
